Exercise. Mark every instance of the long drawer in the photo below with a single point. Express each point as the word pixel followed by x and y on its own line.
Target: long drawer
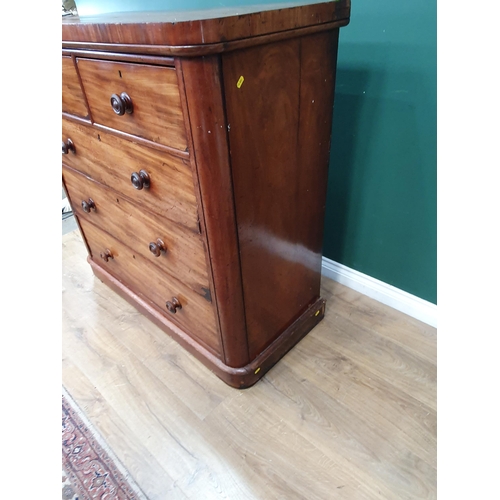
pixel 146 96
pixel 196 314
pixel 172 249
pixel 112 161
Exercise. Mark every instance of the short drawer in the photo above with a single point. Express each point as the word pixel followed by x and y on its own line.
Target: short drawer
pixel 196 315
pixel 73 101
pixel 111 160
pixel 167 246
pixel 147 98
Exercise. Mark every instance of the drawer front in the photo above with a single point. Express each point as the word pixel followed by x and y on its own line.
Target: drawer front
pixel 111 160
pixel 183 256
pixel 154 93
pixel 196 316
pixel 73 101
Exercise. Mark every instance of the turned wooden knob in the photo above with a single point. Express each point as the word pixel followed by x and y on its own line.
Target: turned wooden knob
pixel 68 146
pixel 121 104
pixel 87 206
pixel 156 248
pixel 106 255
pixel 140 180
pixel 174 305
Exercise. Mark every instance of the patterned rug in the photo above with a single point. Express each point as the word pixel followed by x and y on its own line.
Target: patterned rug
pixel 88 472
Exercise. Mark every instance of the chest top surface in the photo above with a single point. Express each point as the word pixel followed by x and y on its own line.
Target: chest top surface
pixel 201 27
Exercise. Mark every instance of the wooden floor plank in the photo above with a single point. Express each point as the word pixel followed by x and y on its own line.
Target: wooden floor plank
pixel 373 450
pixel 141 464
pixel 154 415
pixel 364 311
pixel 199 389
pixel 348 413
pixel 401 417
pixel 294 467
pixel 194 384
pixel 385 358
pixel 180 441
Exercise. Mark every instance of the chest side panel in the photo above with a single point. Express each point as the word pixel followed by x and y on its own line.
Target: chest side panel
pixel 279 100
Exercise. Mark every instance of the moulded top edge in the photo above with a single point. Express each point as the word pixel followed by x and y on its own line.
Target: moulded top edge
pixel 202 27
pixel 178 16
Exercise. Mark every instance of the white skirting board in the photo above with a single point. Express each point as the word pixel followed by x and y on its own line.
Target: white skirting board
pixel 382 292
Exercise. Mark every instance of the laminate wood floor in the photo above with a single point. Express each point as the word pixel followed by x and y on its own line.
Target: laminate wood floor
pixel 349 413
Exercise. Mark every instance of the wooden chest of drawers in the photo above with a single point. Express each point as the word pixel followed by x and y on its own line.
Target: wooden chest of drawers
pixel 195 157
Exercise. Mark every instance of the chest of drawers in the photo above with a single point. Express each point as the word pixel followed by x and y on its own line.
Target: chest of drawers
pixel 195 157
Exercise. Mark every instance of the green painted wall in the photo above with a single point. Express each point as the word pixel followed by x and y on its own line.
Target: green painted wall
pixel 381 206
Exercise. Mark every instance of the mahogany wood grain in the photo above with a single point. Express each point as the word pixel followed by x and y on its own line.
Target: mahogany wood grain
pixel 157 113
pixel 111 160
pixel 184 258
pixel 73 100
pixel 197 315
pixel 129 50
pixel 280 119
pixel 117 56
pixel 222 150
pixel 77 119
pixel 240 378
pixel 200 27
pixel 196 182
pixel 210 150
pixel 138 140
pixel 318 60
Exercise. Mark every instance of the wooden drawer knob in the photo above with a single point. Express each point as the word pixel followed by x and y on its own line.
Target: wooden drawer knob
pixel 174 305
pixel 87 206
pixel 121 104
pixel 156 248
pixel 68 146
pixel 106 255
pixel 140 180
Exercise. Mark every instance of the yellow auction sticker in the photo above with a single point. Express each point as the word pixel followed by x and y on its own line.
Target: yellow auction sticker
pixel 240 82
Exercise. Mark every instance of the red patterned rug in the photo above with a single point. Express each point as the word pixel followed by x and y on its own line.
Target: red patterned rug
pixel 88 471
